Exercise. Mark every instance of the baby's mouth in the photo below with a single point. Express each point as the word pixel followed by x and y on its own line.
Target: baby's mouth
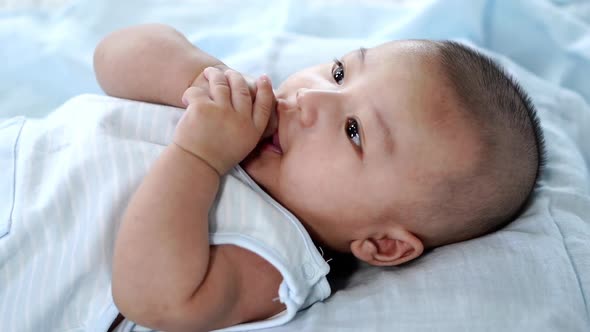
pixel 272 143
pixel 276 143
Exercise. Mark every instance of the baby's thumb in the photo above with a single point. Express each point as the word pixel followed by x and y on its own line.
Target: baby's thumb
pixel 273 122
pixel 264 107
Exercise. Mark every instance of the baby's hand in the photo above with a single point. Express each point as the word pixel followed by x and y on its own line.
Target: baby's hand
pixel 201 81
pixel 221 125
pixel 271 127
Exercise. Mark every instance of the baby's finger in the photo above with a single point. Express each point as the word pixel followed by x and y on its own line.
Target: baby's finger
pixel 218 85
pixel 264 103
pixel 193 95
pixel 273 123
pixel 240 93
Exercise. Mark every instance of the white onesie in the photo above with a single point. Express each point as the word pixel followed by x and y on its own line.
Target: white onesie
pixel 65 182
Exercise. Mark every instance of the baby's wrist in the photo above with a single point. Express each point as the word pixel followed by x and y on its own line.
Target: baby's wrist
pixel 193 156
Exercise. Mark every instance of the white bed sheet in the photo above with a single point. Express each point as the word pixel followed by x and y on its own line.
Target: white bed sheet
pixel 532 275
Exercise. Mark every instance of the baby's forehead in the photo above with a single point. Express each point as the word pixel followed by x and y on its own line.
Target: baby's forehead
pixel 408 60
pixel 424 112
pixel 416 48
pixel 407 74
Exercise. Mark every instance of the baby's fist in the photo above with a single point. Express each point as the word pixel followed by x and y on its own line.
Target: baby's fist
pixel 221 125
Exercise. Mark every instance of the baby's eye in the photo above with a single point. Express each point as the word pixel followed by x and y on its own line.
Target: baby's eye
pixel 338 71
pixel 352 131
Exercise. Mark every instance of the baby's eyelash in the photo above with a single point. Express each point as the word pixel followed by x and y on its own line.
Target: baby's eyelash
pixel 338 71
pixel 353 132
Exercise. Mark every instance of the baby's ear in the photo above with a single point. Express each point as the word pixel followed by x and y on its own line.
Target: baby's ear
pixel 395 247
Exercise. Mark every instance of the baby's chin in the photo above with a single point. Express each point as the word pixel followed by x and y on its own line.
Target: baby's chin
pixel 262 164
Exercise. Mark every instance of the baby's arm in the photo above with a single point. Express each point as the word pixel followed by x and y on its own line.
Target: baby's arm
pixel 152 62
pixel 165 274
pixel 156 63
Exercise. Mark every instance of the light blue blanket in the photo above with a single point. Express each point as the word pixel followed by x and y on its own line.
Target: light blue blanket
pixel 532 275
pixel 46 56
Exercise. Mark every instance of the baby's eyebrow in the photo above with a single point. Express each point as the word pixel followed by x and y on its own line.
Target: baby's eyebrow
pixel 386 137
pixel 361 54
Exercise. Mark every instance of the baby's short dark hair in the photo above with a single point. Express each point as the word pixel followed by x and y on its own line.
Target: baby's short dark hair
pixel 513 144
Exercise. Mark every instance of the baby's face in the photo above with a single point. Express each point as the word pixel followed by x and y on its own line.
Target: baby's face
pixel 366 137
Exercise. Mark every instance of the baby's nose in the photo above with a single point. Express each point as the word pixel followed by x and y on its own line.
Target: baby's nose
pixel 312 101
pixel 308 112
pixel 305 95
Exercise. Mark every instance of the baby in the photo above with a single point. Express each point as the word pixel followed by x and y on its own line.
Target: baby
pixel 383 154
